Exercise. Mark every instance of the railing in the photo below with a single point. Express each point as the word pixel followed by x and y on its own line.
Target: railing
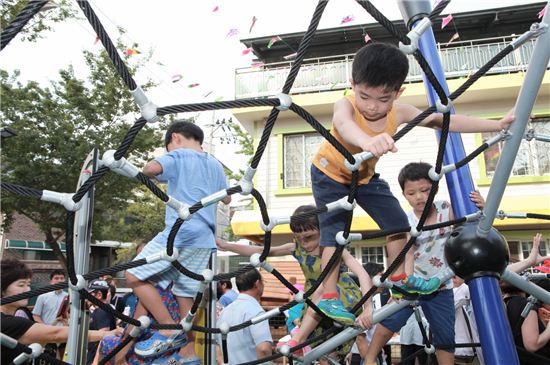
pixel 460 59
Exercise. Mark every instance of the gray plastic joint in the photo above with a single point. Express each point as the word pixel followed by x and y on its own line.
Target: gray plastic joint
pixel 36 350
pixel 501 214
pixel 181 208
pixel 380 284
pixel 144 323
pixel 285 102
pixel 444 169
pixel 341 240
pixel 246 181
pixel 213 198
pixel 64 199
pixel 429 349
pixel 359 159
pixel 81 283
pixel 208 275
pixel 187 322
pixel 414 35
pixel 530 134
pixel 341 203
pixel 473 216
pixel 255 261
pixel 415 232
pixel 147 107
pixel 535 30
pixel 443 108
pixel 502 135
pixel 163 255
pixel 299 297
pixel 121 166
pixel 224 328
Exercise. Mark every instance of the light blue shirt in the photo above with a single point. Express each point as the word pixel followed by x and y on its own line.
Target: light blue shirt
pixel 241 344
pixel 47 305
pixel 191 176
pixel 228 298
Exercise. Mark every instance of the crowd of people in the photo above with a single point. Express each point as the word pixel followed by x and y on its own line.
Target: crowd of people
pixel 363 120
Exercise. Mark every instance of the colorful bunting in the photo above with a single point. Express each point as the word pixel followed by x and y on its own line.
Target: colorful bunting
pixel 246 51
pixel 347 19
pixel 177 78
pixel 541 13
pixel 290 56
pixel 254 19
pixel 232 32
pixel 367 38
pixel 455 36
pixel 346 91
pixel 207 94
pixel 216 9
pixel 192 85
pixel 272 41
pixel 96 40
pixel 256 64
pixel 131 52
pixel 219 98
pixel 446 20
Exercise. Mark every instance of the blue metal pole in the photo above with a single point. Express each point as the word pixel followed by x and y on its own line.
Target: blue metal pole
pixel 493 326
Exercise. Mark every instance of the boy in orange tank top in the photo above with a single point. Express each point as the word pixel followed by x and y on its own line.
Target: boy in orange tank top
pixel 365 121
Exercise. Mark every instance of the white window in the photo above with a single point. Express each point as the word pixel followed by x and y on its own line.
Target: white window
pixel 533 158
pixel 299 150
pixel 526 247
pixel 372 254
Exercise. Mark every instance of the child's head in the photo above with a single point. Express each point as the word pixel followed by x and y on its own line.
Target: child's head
pixel 305 227
pixel 184 128
pixel 415 183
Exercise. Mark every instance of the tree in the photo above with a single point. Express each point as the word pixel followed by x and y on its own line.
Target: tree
pixel 247 148
pixel 56 127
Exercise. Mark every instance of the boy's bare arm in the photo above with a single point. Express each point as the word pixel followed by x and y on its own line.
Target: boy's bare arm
pixel 459 123
pixel 152 169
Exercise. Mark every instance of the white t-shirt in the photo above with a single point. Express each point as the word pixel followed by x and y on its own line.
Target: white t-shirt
pixel 410 333
pixel 462 334
pixel 241 345
pixel 429 256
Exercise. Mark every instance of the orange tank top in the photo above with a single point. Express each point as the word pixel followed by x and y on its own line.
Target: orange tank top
pixel 331 162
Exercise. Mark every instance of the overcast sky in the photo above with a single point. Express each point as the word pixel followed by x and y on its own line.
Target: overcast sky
pixel 191 39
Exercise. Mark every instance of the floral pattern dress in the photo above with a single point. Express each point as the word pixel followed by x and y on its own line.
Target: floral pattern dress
pixel 348 290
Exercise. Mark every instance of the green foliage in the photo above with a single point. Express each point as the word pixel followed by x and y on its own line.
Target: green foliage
pixel 42 22
pixel 57 126
pixel 247 148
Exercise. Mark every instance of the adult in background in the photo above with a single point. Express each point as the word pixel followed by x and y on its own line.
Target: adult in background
pixel 253 342
pixel 226 294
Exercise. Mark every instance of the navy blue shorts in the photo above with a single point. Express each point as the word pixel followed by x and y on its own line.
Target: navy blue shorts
pixel 439 309
pixel 375 198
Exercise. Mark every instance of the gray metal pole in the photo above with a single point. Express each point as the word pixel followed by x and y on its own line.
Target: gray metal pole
pixel 527 286
pixel 211 338
pixel 524 106
pixel 83 221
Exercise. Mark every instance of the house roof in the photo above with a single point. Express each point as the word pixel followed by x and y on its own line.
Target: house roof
pixel 494 22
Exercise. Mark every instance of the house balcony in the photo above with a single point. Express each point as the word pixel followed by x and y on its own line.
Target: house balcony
pixel 459 59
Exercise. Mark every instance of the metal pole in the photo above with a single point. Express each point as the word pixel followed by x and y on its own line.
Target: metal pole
pixel 527 286
pixel 79 321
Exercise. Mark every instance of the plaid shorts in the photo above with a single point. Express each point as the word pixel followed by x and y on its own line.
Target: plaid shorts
pixel 163 273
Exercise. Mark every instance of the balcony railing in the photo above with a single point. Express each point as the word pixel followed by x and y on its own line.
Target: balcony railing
pixel 460 59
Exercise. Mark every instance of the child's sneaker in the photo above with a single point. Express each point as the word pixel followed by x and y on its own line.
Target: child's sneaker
pixel 334 309
pixel 416 285
pixel 159 344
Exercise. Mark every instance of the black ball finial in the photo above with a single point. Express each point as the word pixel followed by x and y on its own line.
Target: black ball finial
pixel 470 256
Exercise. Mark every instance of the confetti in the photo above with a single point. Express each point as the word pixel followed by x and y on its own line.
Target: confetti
pixel 446 20
pixel 232 32
pixel 246 51
pixel 254 19
pixel 541 13
pixel 207 94
pixel 367 38
pixel 347 19
pixel 455 36
pixel 257 64
pixel 192 85
pixel 96 40
pixel 131 52
pixel 216 9
pixel 176 78
pixel 272 41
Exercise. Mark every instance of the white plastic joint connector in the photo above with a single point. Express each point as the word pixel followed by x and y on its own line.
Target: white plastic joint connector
pixel 147 107
pixel 341 203
pixel 224 328
pixel 299 297
pixel 359 159
pixel 443 108
pixel 121 167
pixel 81 283
pixel 213 198
pixel 274 221
pixel 341 240
pixel 380 284
pixel 64 199
pixel 473 216
pixel 187 322
pixel 255 260
pixel 285 102
pixel 208 275
pixel 429 349
pixel 445 169
pixel 144 323
pixel 163 255
pixel 414 35
pixel 181 208
pixel 284 350
pixel 415 232
pixel 246 181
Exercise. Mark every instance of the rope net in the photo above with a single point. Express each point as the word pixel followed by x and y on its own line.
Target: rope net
pixel 151 113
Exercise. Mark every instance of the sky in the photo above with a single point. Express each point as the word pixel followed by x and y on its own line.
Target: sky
pixel 194 42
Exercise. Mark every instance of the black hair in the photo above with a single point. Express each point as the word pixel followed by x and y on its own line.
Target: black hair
pixel 414 171
pixel 380 64
pixel 12 270
pixel 247 280
pixel 373 268
pixel 57 272
pixel 307 220
pixel 227 283
pixel 186 128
